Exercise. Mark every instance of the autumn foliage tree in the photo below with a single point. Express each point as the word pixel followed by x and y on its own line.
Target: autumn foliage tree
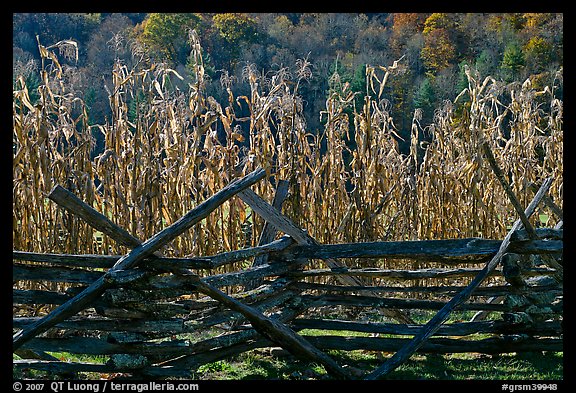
pixel 167 34
pixel 403 27
pixel 439 51
pixel 538 53
pixel 234 29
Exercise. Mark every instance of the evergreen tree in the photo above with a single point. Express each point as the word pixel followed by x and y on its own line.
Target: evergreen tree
pixel 425 99
pixel 513 61
pixel 486 63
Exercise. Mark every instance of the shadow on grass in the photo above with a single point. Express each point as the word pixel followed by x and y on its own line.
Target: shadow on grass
pixel 260 365
pixel 526 366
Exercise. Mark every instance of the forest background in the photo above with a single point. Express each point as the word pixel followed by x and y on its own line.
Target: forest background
pixel 434 49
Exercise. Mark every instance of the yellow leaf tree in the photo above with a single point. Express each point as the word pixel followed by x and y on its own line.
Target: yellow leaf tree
pixel 439 51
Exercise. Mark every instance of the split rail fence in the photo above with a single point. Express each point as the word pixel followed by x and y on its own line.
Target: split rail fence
pixel 158 317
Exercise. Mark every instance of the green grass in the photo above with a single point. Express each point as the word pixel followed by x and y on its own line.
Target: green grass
pixel 65 357
pixel 258 364
pixel 528 366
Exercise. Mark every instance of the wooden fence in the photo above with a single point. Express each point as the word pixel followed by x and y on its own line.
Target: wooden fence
pixel 158 317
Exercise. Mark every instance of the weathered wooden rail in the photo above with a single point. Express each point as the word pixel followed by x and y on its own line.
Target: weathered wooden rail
pixel 150 315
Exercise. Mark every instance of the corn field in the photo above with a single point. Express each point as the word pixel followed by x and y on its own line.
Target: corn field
pixel 166 150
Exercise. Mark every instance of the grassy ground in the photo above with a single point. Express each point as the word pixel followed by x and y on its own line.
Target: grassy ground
pixel 266 364
pixel 259 364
